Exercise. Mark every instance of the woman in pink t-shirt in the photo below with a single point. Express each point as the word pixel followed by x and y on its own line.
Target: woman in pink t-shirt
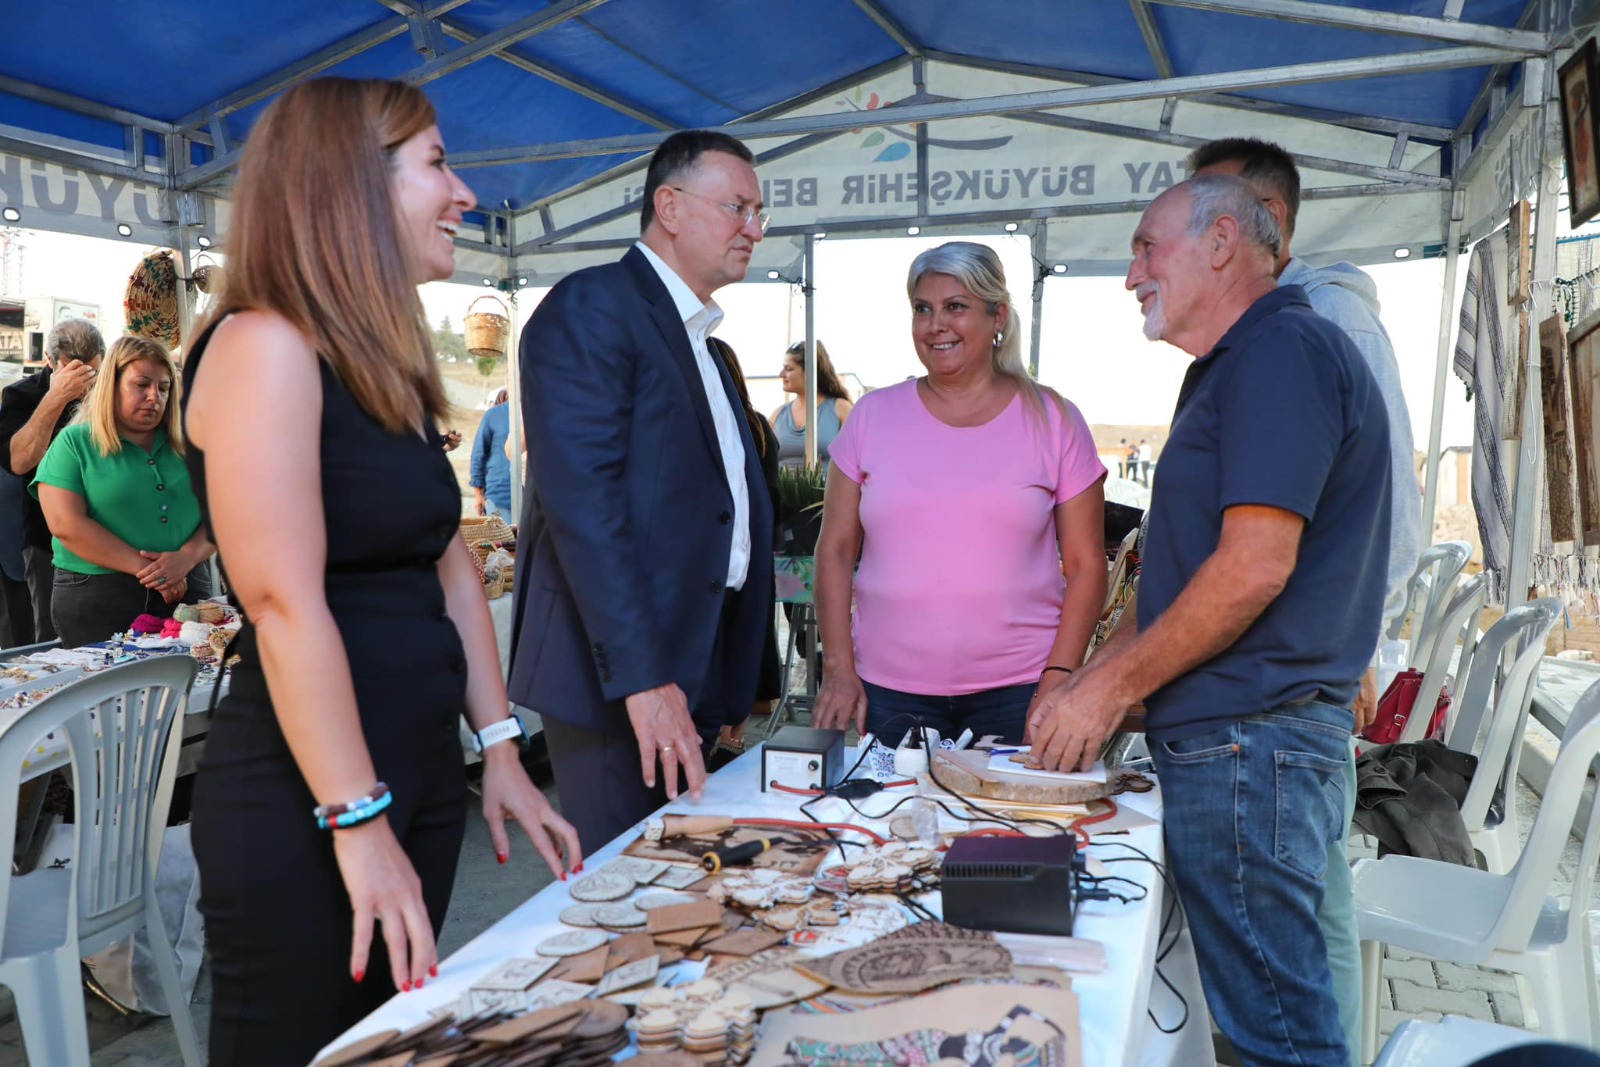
pixel 973 499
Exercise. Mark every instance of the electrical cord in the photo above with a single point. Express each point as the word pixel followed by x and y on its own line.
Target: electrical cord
pixel 1173 915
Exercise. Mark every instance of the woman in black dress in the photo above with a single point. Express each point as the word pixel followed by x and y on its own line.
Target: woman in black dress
pixel 312 397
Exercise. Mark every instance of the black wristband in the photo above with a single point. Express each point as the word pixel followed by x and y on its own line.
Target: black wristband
pixel 1063 670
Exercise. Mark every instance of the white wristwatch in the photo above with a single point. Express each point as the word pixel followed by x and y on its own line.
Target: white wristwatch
pixel 503 730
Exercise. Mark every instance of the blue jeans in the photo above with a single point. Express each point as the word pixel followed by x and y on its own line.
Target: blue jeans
pixel 1002 711
pixel 1338 919
pixel 492 510
pixel 1252 810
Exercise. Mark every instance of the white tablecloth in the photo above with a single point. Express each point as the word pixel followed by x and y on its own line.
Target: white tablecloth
pixel 1112 1005
pixel 50 751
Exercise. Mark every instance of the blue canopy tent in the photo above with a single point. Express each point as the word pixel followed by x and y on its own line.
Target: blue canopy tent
pixel 1417 122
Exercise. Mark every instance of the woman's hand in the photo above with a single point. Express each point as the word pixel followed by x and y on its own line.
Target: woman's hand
pixel 384 887
pixel 840 700
pixel 173 592
pixel 164 569
pixel 508 793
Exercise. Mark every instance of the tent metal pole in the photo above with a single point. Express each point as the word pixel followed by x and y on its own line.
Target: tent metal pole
pixel 180 242
pixel 1530 449
pixel 810 290
pixel 1005 104
pixel 1441 375
pixel 1036 244
pixel 514 369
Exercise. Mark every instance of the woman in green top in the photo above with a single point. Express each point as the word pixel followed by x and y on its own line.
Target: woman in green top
pixel 124 523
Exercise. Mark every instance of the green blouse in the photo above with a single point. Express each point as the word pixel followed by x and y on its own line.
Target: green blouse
pixel 142 497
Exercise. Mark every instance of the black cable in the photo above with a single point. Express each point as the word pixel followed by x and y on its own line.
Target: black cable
pixel 1172 913
pixel 1056 830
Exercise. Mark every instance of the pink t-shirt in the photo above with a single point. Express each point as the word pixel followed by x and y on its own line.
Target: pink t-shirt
pixel 960 584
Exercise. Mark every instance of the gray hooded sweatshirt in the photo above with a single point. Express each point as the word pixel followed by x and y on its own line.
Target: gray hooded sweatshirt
pixel 1346 296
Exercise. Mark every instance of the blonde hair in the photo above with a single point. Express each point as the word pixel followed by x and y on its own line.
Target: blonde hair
pixel 100 409
pixel 977 267
pixel 314 238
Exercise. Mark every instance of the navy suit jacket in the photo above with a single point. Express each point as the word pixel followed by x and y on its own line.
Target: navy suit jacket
pixel 628 518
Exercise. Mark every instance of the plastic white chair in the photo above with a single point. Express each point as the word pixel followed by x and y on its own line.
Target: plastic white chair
pixel 122 785
pixel 1432 582
pixel 1454 1041
pixel 1504 921
pixel 1493 705
pixel 1459 617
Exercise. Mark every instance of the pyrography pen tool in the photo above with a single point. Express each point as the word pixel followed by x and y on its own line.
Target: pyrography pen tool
pixel 719 858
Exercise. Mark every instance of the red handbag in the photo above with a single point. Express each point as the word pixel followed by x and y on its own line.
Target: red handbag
pixel 1395 706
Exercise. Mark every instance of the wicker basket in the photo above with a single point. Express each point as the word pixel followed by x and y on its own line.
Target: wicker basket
pixel 486 531
pixel 488 332
pixel 150 306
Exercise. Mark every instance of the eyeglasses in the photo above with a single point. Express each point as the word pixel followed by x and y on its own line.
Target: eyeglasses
pixel 745 215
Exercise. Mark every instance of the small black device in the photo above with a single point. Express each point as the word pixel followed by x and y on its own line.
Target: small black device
pixel 802 757
pixel 1022 885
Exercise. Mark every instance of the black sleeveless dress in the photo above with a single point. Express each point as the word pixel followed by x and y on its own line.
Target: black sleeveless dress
pixel 278 918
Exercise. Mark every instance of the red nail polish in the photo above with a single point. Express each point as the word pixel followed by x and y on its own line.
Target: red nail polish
pixel 358 976
pixel 563 876
pixel 405 987
pixel 502 857
pixel 433 972
pixel 419 983
pixel 579 868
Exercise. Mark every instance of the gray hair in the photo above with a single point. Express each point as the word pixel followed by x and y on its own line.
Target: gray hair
pixel 977 267
pixel 74 339
pixel 1211 196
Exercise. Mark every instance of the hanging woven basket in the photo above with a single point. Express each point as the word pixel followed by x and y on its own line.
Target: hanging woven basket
pixel 151 303
pixel 488 332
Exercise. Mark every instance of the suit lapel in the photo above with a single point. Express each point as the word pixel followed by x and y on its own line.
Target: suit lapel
pixel 665 315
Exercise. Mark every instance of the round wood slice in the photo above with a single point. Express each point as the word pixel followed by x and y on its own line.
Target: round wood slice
pixel 968 772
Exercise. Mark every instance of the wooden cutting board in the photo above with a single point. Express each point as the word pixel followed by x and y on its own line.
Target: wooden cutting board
pixel 967 771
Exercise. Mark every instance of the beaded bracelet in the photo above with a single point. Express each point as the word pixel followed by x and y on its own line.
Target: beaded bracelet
pixel 1063 670
pixel 325 811
pixel 356 817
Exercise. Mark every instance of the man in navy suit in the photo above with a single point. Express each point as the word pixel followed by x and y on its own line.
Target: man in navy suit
pixel 644 590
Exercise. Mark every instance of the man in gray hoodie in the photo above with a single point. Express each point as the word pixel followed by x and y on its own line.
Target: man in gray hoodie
pixel 1346 296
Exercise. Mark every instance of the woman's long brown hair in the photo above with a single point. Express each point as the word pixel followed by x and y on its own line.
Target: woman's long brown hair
pixel 314 238
pixel 758 425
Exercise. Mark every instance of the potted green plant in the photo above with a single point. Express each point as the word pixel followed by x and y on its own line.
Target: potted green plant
pixel 800 509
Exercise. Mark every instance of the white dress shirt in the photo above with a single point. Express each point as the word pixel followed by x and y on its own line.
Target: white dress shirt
pixel 699 320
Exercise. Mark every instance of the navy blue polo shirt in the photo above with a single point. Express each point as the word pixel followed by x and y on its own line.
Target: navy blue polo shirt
pixel 1283 412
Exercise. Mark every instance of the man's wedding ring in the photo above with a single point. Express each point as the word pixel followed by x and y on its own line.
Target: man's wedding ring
pixel 161 580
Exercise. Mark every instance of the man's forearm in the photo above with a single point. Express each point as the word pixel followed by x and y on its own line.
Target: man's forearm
pixel 30 443
pixel 1225 596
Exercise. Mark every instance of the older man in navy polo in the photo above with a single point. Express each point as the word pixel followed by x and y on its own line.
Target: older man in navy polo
pixel 1258 609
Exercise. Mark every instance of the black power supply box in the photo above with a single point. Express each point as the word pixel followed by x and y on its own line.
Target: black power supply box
pixel 1021 885
pixel 801 757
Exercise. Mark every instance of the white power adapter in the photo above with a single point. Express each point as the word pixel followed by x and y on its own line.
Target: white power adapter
pixel 911 758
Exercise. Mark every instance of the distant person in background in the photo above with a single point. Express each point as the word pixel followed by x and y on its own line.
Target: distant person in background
pixel 124 521
pixel 1122 464
pixel 16 606
pixel 490 474
pixel 32 412
pixel 833 406
pixel 1146 461
pixel 1130 463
